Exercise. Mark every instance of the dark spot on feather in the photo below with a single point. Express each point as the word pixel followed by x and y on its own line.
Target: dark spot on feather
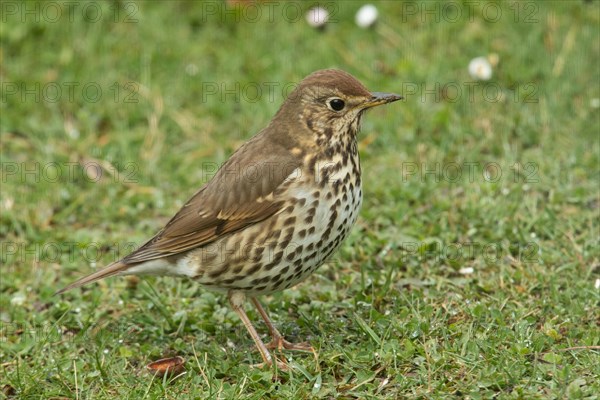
pixel 271 265
pixel 259 251
pixel 219 229
pixel 238 269
pixel 277 258
pixel 278 283
pixel 274 234
pixel 255 268
pixel 333 216
pixel 336 186
pixel 209 257
pixel 309 123
pixel 218 272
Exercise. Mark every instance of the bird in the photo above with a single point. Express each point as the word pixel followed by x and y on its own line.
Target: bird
pixel 275 210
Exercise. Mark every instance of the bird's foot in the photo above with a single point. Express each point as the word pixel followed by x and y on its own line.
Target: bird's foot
pixel 279 343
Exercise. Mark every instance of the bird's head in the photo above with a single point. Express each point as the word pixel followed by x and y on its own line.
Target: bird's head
pixel 330 103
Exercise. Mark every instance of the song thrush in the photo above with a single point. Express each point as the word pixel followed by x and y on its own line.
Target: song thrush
pixel 276 210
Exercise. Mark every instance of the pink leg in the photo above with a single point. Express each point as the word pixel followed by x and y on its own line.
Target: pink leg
pixel 277 341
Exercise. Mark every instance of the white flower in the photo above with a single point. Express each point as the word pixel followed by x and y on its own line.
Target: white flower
pixel 480 68
pixel 317 17
pixel 367 16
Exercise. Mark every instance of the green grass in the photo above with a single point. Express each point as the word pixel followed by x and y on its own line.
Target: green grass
pixel 394 314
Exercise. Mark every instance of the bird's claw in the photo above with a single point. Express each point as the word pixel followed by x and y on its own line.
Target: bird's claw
pixel 279 343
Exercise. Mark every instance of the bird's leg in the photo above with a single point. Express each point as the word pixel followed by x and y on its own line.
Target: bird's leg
pixel 236 299
pixel 277 341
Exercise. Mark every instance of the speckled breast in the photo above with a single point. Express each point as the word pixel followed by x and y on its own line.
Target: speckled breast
pixel 321 206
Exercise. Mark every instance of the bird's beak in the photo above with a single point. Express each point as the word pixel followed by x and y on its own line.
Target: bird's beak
pixel 378 98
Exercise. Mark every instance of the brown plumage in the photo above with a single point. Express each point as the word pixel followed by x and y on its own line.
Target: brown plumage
pixel 276 210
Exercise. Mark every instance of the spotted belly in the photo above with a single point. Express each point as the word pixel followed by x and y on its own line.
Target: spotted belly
pixel 285 249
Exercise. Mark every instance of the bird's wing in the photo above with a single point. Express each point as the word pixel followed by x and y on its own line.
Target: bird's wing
pixel 246 189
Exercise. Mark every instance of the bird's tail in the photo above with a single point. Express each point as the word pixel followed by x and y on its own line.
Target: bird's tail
pixel 112 269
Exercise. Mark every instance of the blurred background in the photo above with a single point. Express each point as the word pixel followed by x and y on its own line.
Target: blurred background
pixel 474 269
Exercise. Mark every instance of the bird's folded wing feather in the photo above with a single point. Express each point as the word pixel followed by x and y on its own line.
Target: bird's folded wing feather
pixel 246 189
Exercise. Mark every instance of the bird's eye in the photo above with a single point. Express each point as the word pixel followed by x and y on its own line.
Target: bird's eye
pixel 336 104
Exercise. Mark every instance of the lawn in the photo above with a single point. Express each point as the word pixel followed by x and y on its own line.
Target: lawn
pixel 473 270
